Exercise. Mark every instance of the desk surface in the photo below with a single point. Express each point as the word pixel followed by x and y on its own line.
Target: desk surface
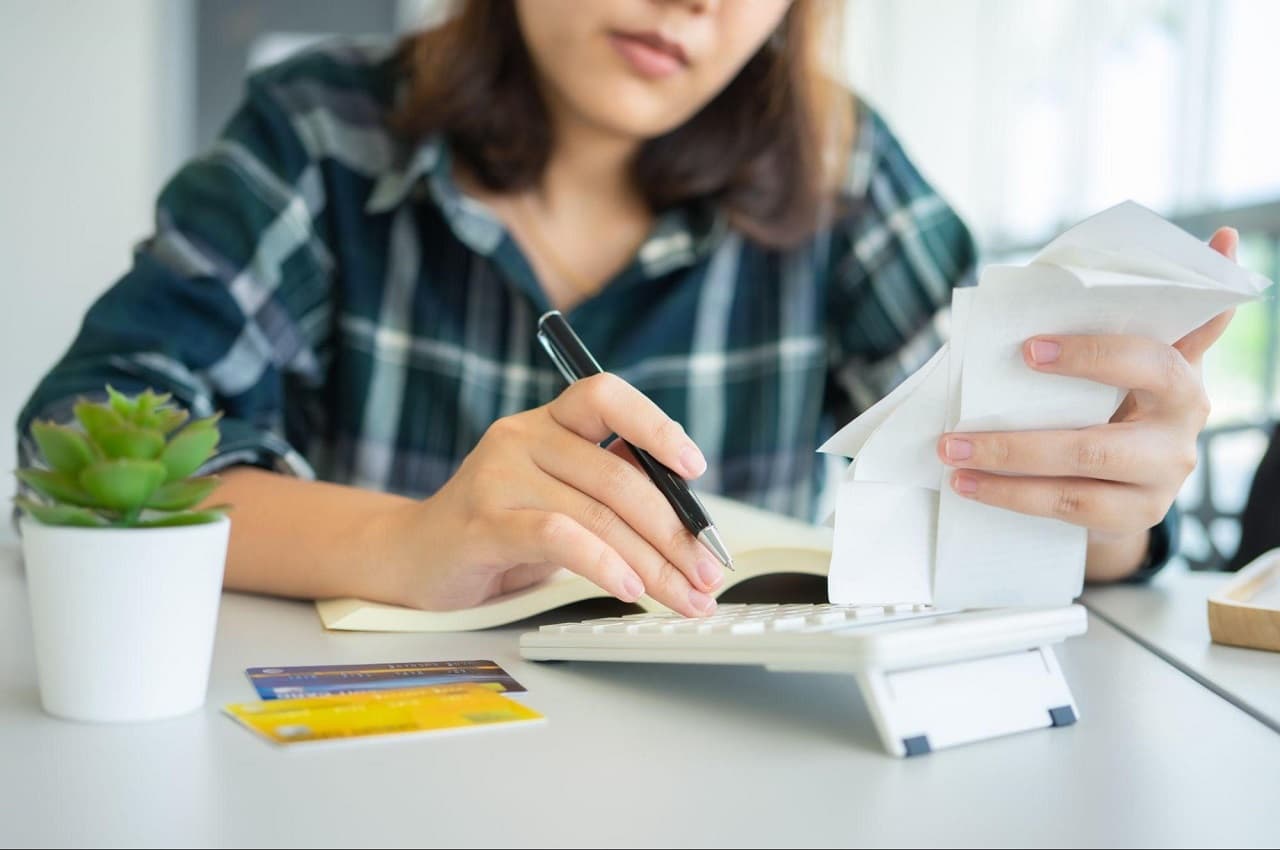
pixel 632 755
pixel 1170 617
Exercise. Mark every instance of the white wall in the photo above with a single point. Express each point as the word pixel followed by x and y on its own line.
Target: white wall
pixel 95 120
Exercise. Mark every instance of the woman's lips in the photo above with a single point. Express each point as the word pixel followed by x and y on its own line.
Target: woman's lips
pixel 649 54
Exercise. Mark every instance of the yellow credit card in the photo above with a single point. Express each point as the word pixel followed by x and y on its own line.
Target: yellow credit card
pixel 379 713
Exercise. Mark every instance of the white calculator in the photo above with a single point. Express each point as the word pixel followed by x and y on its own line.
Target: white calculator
pixel 931 678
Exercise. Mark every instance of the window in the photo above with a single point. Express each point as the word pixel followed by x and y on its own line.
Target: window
pixel 1029 115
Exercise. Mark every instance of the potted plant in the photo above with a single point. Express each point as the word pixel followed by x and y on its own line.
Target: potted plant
pixel 124 574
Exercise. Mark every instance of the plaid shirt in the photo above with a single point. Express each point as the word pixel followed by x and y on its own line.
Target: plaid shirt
pixel 360 320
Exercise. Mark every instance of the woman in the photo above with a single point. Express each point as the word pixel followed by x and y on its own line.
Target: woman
pixel 354 272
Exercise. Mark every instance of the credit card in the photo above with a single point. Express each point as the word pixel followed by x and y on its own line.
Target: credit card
pixel 293 682
pixel 377 714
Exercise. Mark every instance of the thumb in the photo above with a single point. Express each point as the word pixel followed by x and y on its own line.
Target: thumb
pixel 1195 344
pixel 1225 241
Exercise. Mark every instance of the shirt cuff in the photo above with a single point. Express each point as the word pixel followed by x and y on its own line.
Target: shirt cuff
pixel 1163 546
pixel 243 444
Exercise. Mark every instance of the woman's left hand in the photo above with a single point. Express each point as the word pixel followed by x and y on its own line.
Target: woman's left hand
pixel 1119 479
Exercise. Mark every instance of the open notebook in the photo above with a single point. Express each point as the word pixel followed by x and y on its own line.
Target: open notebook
pixel 761 542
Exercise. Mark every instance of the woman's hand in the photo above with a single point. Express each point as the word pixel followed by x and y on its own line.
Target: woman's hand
pixel 538 493
pixel 1119 479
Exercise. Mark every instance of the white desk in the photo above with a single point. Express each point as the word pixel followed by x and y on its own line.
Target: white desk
pixel 1170 617
pixel 632 756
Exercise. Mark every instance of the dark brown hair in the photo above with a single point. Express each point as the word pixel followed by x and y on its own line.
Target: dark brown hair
pixel 769 149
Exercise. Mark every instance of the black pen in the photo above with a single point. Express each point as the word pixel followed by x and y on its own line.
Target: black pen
pixel 575 362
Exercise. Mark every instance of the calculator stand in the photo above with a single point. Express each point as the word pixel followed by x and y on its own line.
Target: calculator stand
pixel 927 708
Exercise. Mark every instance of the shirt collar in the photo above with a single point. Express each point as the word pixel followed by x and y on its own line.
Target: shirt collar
pixel 680 236
pixel 429 166
pixel 394 185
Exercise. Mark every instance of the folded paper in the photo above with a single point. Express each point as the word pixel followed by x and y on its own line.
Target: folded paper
pixel 901 534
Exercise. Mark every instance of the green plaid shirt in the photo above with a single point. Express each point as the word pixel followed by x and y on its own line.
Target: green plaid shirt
pixel 361 321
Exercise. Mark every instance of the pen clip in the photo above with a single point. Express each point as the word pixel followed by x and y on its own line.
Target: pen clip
pixel 554 353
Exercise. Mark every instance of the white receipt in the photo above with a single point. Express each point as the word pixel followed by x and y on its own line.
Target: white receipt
pixel 901 534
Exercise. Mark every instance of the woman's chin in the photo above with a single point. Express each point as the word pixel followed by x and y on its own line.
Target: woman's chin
pixel 633 115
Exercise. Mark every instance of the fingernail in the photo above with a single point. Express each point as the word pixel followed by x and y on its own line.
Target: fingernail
pixel 1043 351
pixel 965 485
pixel 958 449
pixel 692 460
pixel 701 602
pixel 710 572
pixel 633 587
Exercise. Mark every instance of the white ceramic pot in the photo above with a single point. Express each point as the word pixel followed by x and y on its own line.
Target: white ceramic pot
pixel 124 619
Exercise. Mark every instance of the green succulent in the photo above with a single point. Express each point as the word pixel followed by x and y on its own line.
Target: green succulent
pixel 129 464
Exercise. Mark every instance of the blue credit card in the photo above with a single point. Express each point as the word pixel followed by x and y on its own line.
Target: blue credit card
pixel 293 682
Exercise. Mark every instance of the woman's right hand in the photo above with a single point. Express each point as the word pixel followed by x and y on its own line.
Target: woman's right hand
pixel 538 493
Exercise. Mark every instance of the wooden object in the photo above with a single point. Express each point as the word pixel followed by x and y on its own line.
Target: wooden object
pixel 1246 610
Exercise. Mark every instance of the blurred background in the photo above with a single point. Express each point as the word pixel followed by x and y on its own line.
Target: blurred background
pixel 1026 114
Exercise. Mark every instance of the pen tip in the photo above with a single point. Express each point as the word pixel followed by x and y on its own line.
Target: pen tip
pixel 711 539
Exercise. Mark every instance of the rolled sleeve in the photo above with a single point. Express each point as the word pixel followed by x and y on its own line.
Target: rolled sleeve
pixel 244 445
